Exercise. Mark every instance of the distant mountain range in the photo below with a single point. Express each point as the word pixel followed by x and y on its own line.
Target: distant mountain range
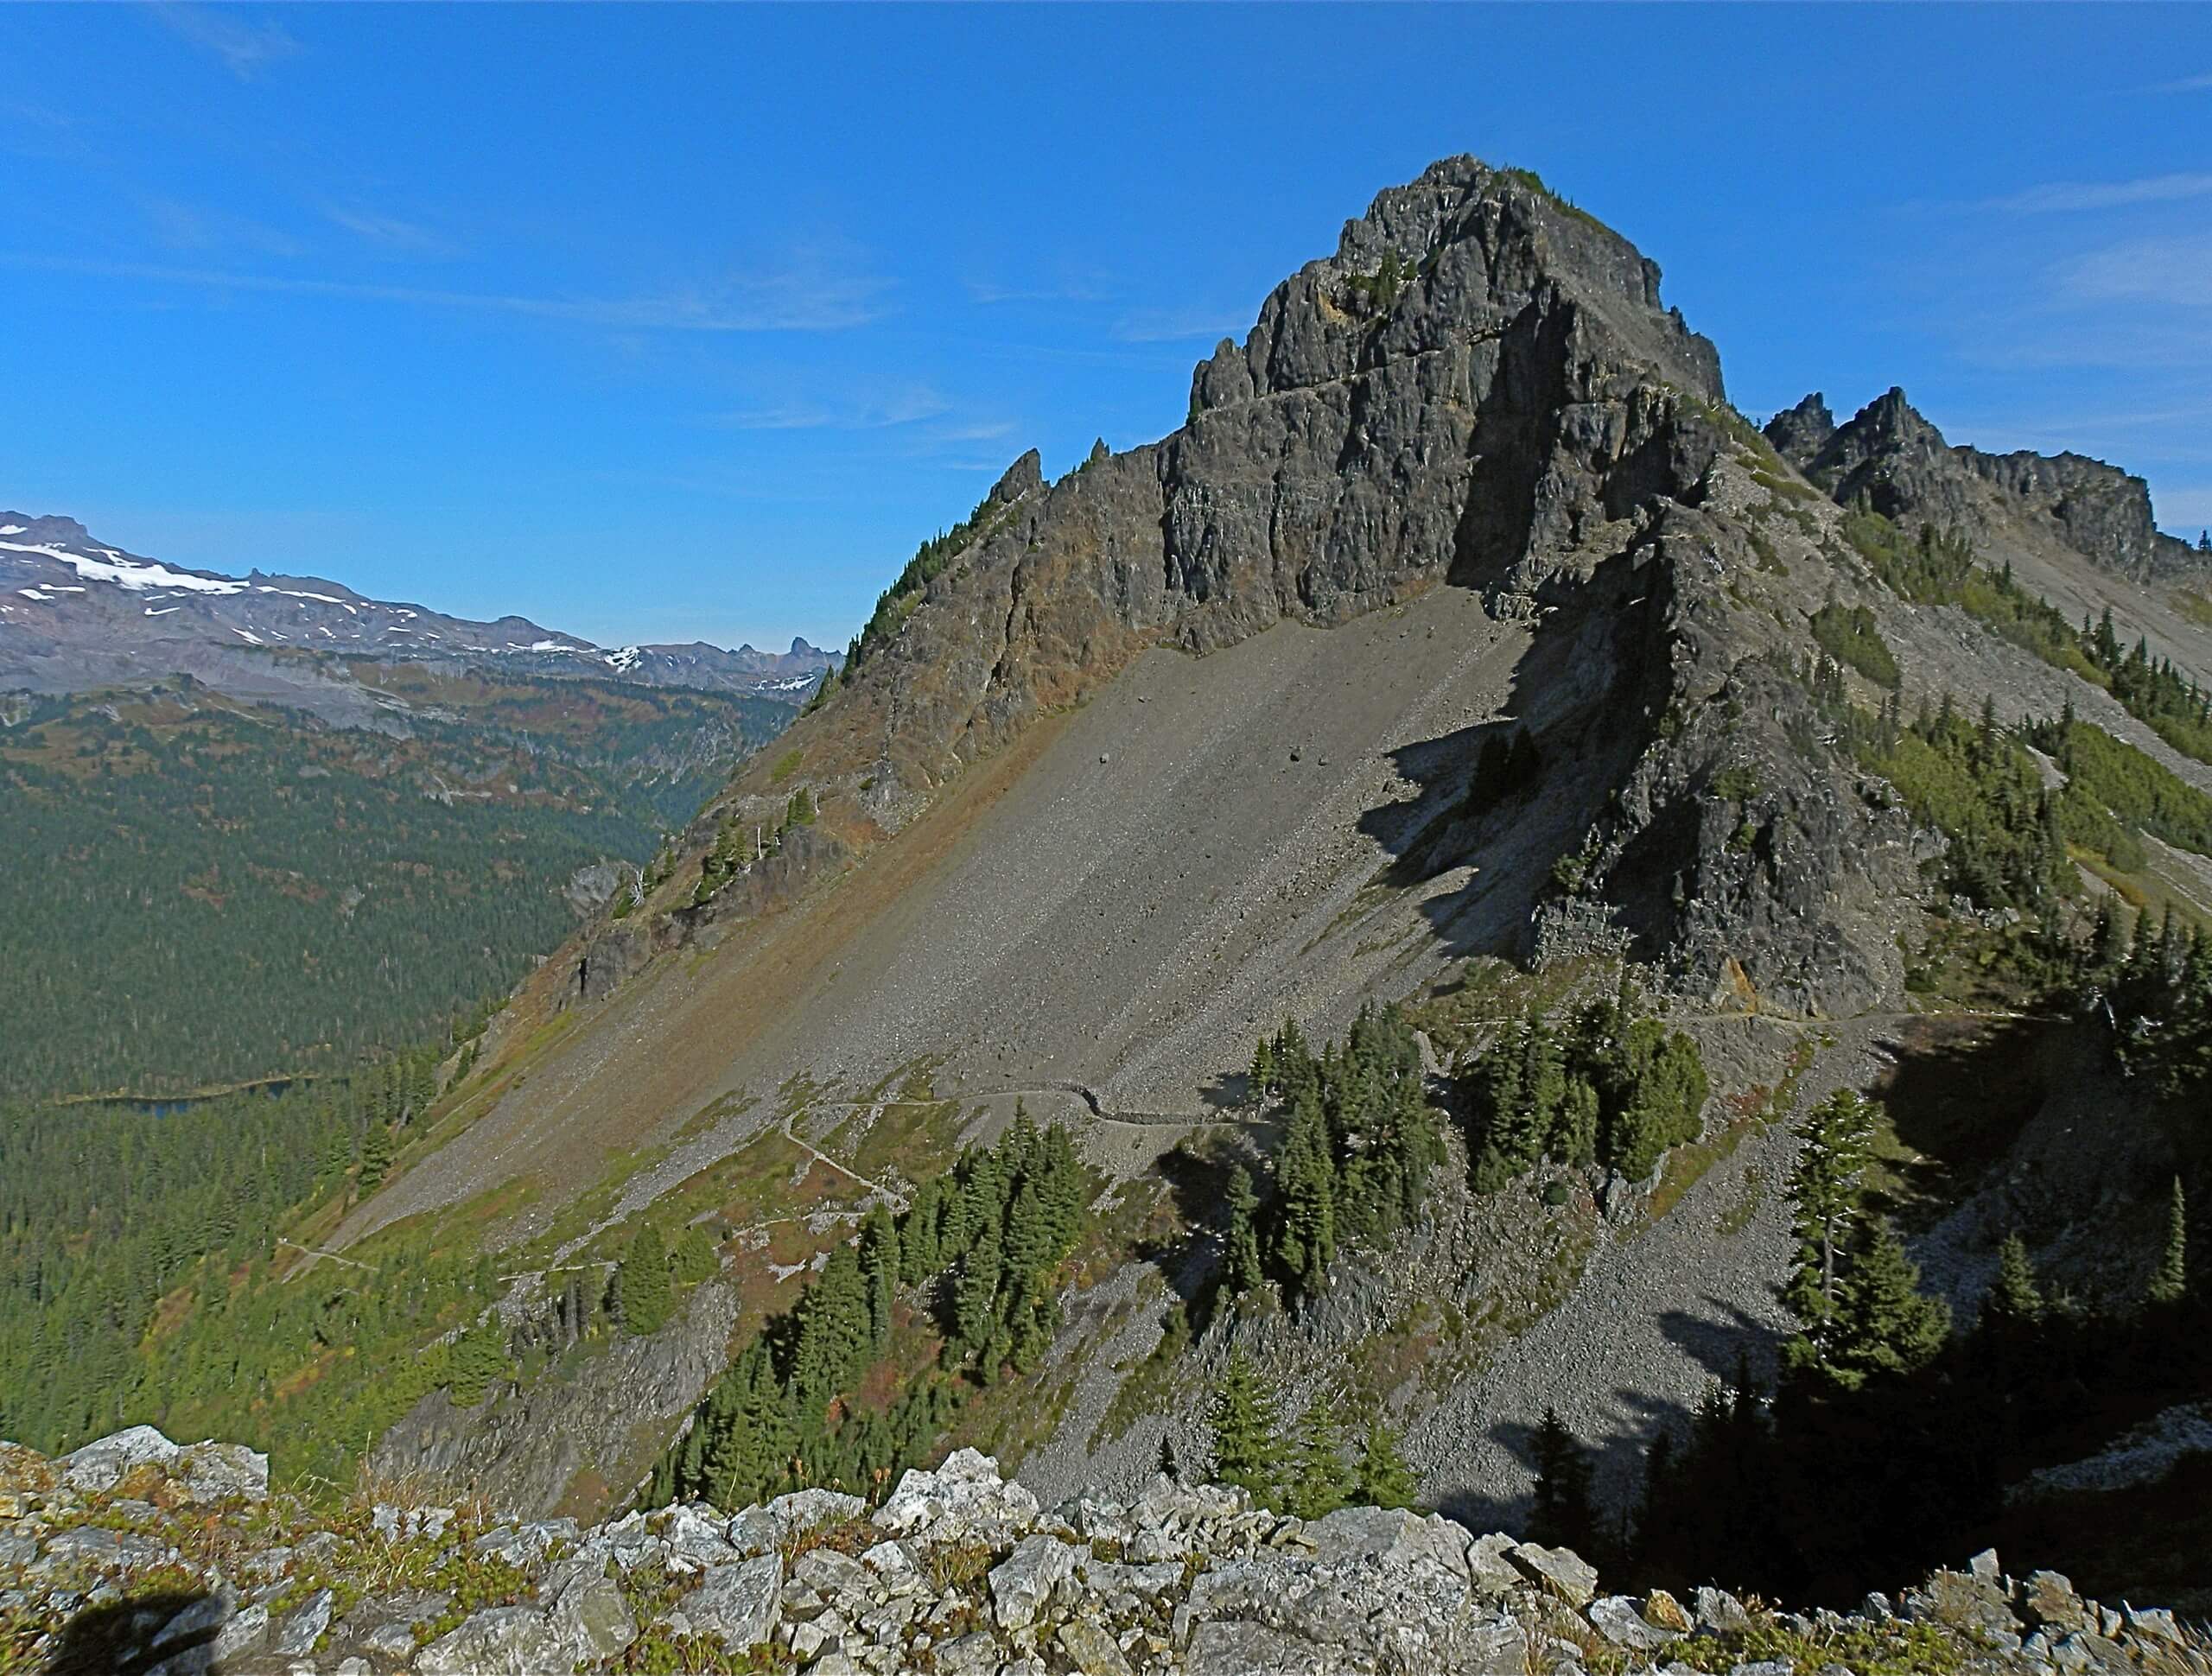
pixel 76 614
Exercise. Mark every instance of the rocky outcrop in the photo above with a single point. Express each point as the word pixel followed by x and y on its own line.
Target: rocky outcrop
pixel 1480 387
pixel 957 1572
pixel 1478 377
pixel 1894 458
pixel 525 1445
pixel 1800 433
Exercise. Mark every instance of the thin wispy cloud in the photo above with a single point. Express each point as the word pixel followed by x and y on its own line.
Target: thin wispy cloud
pixel 2072 196
pixel 2187 85
pixel 1177 324
pixel 797 417
pixel 387 232
pixel 990 292
pixel 992 431
pixel 873 413
pixel 195 227
pixel 246 48
pixel 2173 270
pixel 752 302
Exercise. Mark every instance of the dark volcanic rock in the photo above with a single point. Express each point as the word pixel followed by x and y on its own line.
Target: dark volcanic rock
pixel 1480 387
pixel 1899 463
pixel 1800 433
pixel 1479 378
pixel 1025 475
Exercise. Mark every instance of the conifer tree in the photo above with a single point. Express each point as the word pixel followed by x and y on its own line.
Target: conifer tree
pixel 2014 1298
pixel 693 1259
pixel 1029 1241
pixel 644 1297
pixel 975 1294
pixel 1562 1513
pixel 1241 1270
pixel 1381 1479
pixel 880 1268
pixel 1246 1452
pixel 1263 1069
pixel 1886 1325
pixel 478 1358
pixel 1319 1482
pixel 1825 1189
pixel 1306 1233
pixel 376 1151
pixel 2170 1283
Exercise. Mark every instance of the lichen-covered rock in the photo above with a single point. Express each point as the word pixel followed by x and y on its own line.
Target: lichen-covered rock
pixel 197 1473
pixel 1090 1649
pixel 301 1628
pixel 501 1640
pixel 1562 1571
pixel 809 1510
pixel 966 1495
pixel 1023 1583
pixel 739 1602
pixel 979 1586
pixel 1619 1619
pixel 590 1620
pixel 1390 1536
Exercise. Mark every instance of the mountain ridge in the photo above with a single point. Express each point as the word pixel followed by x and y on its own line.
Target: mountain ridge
pixel 1890 455
pixel 76 614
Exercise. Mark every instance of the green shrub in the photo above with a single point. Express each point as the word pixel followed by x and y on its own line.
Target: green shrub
pixel 1848 634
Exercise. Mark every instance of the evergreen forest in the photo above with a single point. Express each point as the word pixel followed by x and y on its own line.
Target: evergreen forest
pixel 232 892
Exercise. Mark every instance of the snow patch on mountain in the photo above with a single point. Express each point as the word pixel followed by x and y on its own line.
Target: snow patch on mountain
pixel 124 572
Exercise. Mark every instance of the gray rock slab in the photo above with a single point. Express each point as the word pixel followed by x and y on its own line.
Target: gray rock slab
pixel 505 1641
pixel 739 1602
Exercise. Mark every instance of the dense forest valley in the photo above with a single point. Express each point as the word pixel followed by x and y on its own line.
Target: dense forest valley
pixel 246 893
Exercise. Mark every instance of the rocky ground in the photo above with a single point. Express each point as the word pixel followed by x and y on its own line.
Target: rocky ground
pixel 134 1555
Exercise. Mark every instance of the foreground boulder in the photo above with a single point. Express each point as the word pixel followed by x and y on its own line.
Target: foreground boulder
pixel 139 1555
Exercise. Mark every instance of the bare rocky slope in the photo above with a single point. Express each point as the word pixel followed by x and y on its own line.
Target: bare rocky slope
pixel 1180 744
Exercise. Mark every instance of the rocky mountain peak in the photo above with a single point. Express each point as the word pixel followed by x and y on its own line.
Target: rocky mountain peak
pixel 1899 462
pixel 1479 378
pixel 1017 480
pixel 1456 255
pixel 1800 433
pixel 39 527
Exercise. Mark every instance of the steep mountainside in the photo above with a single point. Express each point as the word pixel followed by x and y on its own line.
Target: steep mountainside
pixel 1464 649
pixel 2076 530
pixel 76 614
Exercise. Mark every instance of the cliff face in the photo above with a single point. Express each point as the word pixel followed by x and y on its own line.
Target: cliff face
pixel 1480 387
pixel 1478 379
pixel 133 1556
pixel 1890 454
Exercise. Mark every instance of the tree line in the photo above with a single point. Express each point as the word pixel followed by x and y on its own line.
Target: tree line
pixel 1310 1467
pixel 1614 1087
pixel 1358 1143
pixel 139 1244
pixel 964 1273
pixel 1942 568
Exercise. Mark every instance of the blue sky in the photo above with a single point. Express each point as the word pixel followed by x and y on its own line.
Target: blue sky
pixel 665 322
